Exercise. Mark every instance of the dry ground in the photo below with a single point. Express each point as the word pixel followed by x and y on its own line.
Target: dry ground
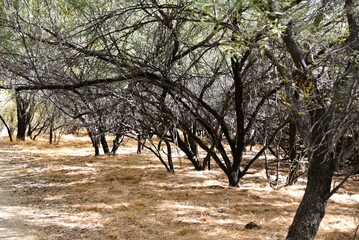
pixel 64 192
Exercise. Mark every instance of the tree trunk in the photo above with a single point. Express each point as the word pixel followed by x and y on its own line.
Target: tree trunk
pixel 104 144
pixel 187 149
pixel 21 129
pixel 237 66
pixel 24 111
pixel 97 150
pixel 294 164
pixel 191 142
pixel 207 159
pixel 169 156
pixel 116 143
pixel 139 144
pixel 7 128
pixel 321 164
pixel 95 142
pixel 292 141
pixel 320 173
pixel 51 132
pixel 233 178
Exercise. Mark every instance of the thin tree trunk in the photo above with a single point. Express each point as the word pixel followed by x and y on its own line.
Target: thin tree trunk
pixel 292 141
pixel 293 173
pixel 116 143
pixel 169 156
pixel 186 148
pixel 239 108
pixel 7 128
pixel 207 159
pixel 193 145
pixel 95 142
pixel 104 144
pixel 233 175
pixel 139 144
pixel 51 132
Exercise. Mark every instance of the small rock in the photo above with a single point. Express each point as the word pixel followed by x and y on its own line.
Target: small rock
pixel 252 225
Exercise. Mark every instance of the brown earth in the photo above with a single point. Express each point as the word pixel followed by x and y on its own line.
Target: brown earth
pixel 64 192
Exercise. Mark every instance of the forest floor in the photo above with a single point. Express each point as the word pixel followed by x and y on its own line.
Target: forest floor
pixel 64 192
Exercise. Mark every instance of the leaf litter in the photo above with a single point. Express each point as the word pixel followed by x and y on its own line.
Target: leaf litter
pixel 67 193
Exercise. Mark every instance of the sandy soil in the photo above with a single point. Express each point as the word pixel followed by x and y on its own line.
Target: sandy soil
pixel 64 192
pixel 12 223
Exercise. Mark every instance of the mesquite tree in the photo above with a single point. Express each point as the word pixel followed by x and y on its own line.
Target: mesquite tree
pixel 226 69
pixel 322 96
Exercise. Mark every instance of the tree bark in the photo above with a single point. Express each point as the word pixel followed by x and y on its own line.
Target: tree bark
pixel 24 112
pixel 234 171
pixel 321 164
pixel 233 178
pixel 320 174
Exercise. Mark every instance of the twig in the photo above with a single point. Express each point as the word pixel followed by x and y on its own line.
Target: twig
pixel 341 183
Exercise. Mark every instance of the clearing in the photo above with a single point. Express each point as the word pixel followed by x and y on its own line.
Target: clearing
pixel 64 192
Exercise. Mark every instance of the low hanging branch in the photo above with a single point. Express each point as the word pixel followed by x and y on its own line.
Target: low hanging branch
pixel 72 87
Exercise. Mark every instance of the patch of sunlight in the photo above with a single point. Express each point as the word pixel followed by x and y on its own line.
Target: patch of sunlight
pixel 210 183
pixel 78 169
pixel 345 198
pixel 338 223
pixel 181 207
pixel 190 221
pixel 226 221
pixel 43 217
pixel 7 212
pixel 53 198
pixel 294 191
pixel 71 137
pixel 71 152
pixel 202 174
pixel 50 168
pixel 127 150
pixel 45 184
pixel 99 206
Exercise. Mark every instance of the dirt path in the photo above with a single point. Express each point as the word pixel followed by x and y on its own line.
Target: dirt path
pixel 12 222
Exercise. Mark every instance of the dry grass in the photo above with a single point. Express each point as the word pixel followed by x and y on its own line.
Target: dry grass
pixel 70 194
